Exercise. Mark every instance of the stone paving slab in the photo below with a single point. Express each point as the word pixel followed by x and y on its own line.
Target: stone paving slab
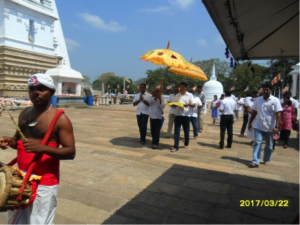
pixel 116 180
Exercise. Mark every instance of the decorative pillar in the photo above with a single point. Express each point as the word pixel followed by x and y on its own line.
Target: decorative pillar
pixel 78 89
pixel 295 74
pixel 59 88
pixel 295 79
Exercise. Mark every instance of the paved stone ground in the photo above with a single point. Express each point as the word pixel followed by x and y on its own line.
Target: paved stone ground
pixel 114 179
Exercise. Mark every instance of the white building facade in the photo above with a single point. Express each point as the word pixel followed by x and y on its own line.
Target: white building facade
pixel 31 41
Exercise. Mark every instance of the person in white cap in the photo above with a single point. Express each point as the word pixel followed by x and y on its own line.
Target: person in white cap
pixel 34 122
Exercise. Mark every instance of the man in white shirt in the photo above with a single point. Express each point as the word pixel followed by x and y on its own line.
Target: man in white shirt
pixel 182 116
pixel 157 104
pixel 240 104
pixel 141 100
pixel 247 101
pixel 227 107
pixel 171 113
pixel 233 97
pixel 201 110
pixel 266 116
pixel 193 111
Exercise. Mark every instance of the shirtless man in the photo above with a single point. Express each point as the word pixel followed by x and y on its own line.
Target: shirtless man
pixel 34 122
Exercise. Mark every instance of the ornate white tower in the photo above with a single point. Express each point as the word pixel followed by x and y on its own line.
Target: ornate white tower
pixel 212 87
pixel 31 41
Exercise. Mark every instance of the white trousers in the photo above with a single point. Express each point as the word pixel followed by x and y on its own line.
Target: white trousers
pixel 41 211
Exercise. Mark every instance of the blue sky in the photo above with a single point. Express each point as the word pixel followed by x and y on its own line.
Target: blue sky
pixel 110 35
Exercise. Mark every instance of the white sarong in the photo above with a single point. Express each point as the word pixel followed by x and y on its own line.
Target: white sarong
pixel 40 211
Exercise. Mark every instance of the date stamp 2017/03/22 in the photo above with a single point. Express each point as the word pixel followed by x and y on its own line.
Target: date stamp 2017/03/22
pixel 264 203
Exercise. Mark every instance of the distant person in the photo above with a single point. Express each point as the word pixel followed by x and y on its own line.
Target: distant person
pixel 266 116
pixel 296 106
pixel 157 105
pixel 141 100
pixel 171 113
pixel 246 111
pixel 162 121
pixel 295 103
pixel 202 97
pixel 218 105
pixel 233 96
pixel 214 109
pixel 227 107
pixel 240 105
pixel 182 117
pixel 287 115
pixel 249 106
pixel 194 113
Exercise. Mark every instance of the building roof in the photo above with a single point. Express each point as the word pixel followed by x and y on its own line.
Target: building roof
pixel 64 71
pixel 257 29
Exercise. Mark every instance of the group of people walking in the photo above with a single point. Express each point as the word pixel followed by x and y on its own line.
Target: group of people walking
pixel 288 117
pixel 153 105
pixel 263 117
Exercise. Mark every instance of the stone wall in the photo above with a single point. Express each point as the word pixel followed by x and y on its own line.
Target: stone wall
pixel 16 66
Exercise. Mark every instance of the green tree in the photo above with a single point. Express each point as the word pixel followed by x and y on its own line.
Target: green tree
pixel 243 77
pixel 140 81
pixel 86 79
pixel 169 79
pixel 86 82
pixel 130 87
pixel 104 77
pixel 283 67
pixel 115 83
pixel 221 67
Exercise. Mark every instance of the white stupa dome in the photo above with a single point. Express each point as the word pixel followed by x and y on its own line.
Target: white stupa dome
pixel 212 87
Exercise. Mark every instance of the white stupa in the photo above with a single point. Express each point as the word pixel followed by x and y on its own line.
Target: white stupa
pixel 32 41
pixel 212 87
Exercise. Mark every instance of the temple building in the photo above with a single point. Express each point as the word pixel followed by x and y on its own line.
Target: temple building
pixel 212 87
pixel 32 41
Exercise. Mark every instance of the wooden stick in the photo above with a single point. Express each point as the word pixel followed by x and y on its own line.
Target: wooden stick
pixel 11 117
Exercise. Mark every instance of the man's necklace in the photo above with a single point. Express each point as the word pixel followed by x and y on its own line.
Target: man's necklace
pixel 34 123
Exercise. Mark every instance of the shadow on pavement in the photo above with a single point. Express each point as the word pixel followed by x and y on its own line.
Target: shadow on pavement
pixel 188 195
pixel 135 142
pixel 293 143
pixel 243 143
pixel 207 145
pixel 128 142
pixel 242 161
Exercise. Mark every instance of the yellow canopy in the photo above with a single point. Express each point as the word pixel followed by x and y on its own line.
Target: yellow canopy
pixel 166 57
pixel 189 73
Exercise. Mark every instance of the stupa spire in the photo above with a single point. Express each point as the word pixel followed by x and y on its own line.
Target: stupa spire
pixel 213 74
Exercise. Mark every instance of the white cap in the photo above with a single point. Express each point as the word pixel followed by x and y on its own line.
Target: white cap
pixel 41 78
